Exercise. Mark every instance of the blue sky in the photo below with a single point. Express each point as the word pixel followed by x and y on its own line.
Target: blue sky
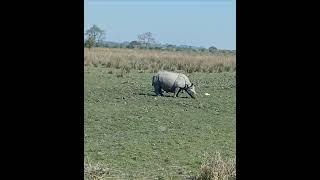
pixel 180 22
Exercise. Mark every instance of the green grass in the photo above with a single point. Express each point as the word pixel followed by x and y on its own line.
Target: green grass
pixel 138 135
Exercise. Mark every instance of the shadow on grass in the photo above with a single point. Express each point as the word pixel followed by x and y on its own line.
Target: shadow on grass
pixel 153 94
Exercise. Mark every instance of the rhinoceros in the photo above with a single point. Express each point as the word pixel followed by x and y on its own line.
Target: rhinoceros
pixel 172 82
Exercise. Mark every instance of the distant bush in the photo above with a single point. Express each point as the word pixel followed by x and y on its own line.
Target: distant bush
pixel 134 44
pixel 212 49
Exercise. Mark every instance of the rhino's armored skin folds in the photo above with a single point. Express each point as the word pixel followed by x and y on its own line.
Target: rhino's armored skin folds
pixel 172 82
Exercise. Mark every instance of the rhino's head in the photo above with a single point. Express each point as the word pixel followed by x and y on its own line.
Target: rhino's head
pixel 191 90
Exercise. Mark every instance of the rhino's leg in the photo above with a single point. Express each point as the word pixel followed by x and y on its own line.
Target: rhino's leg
pixel 157 90
pixel 160 90
pixel 176 92
pixel 179 91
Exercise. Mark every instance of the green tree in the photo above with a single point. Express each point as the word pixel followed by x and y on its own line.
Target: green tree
pixel 90 42
pixel 202 49
pixel 212 49
pixel 134 44
pixel 146 39
pixel 95 36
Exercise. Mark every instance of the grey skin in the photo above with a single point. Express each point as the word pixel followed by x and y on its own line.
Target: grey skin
pixel 172 82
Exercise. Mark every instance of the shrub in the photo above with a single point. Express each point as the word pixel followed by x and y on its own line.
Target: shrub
pixel 95 172
pixel 218 169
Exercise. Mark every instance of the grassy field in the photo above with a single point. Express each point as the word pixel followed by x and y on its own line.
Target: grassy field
pixel 132 134
pixel 153 60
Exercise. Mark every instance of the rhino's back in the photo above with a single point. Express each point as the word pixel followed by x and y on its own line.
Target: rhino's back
pixel 167 80
pixel 182 80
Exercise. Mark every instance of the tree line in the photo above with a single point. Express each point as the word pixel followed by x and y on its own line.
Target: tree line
pixel 94 37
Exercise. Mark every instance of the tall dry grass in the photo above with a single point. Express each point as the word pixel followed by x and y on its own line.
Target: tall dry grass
pixel 95 171
pixel 218 168
pixel 154 60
